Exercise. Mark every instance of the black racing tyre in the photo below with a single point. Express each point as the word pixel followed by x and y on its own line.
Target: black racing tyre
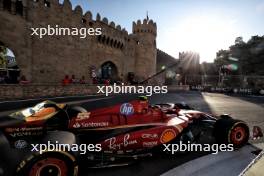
pixel 49 164
pixel 231 131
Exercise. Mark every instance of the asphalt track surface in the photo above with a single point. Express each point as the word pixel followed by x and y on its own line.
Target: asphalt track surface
pixel 249 109
pixel 225 163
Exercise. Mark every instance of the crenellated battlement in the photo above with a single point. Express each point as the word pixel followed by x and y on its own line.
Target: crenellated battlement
pixel 146 26
pixel 111 24
pixel 55 8
pixel 24 7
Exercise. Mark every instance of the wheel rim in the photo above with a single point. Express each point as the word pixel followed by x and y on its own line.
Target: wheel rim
pixel 238 135
pixel 49 167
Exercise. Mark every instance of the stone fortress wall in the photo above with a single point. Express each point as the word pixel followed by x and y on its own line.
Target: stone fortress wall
pixel 49 59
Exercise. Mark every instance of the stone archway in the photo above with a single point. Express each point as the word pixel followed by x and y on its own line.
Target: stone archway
pixel 109 71
pixel 14 32
pixel 9 70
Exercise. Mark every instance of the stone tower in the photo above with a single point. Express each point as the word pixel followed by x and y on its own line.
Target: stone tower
pixel 145 51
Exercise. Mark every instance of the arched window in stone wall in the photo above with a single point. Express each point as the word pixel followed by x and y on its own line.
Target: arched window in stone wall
pixel 115 43
pixel 107 40
pixel 19 7
pixel 111 43
pixel 118 45
pixel 99 37
pixel 103 39
pixel 7 5
pixel 91 24
pixel 47 3
pixel 84 21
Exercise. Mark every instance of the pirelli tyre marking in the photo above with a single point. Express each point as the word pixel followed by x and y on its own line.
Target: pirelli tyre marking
pixel 49 166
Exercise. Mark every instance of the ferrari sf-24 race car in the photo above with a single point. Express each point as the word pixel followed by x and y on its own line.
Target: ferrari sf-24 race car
pixel 114 134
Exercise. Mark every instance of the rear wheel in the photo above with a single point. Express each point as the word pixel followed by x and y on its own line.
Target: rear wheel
pixel 49 164
pixel 231 131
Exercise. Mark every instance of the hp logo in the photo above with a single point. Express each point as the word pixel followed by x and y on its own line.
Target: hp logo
pixel 20 144
pixel 126 109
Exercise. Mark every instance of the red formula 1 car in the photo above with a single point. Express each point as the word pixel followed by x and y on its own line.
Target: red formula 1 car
pixel 104 136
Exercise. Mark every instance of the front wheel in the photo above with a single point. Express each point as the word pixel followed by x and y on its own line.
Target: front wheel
pixel 231 131
pixel 49 164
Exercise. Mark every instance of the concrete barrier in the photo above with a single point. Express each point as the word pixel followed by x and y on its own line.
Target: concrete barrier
pixel 36 91
pixel 17 91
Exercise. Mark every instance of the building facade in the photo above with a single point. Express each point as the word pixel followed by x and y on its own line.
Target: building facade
pixel 113 54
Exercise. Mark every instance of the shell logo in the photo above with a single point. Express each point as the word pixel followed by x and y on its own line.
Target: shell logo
pixel 167 135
